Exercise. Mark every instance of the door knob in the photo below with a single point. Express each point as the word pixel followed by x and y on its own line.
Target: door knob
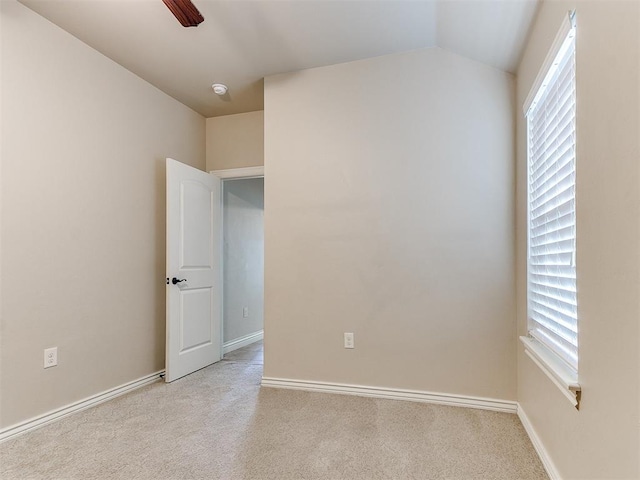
pixel 174 280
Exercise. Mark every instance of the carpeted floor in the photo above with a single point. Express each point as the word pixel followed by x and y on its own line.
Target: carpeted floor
pixel 219 424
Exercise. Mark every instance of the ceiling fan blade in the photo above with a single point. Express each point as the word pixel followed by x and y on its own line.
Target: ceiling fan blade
pixel 185 11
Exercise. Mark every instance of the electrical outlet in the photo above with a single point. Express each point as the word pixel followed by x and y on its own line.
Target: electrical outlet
pixel 245 312
pixel 50 357
pixel 349 341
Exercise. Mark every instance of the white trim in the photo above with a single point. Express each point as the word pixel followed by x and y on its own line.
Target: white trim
pixel 567 24
pixel 553 367
pixel 242 341
pixel 548 464
pixel 55 415
pixel 246 172
pixel 394 394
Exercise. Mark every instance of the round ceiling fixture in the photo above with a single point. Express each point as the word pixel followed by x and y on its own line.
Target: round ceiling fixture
pixel 219 88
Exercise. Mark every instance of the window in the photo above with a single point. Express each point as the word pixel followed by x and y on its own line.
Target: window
pixel 551 271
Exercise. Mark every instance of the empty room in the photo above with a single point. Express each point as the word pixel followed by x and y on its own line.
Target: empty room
pixel 320 239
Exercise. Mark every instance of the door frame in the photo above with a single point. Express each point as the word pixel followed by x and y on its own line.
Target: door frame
pixel 231 174
pixel 234 173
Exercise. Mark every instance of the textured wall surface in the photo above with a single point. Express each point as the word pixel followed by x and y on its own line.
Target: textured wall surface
pixel 84 143
pixel 602 439
pixel 235 141
pixel 390 214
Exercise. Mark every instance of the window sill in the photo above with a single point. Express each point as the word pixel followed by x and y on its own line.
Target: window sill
pixel 560 374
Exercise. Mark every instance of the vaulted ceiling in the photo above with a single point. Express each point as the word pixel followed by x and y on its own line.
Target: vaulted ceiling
pixel 242 41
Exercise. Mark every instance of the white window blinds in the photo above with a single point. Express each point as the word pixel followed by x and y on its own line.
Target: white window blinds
pixel 551 124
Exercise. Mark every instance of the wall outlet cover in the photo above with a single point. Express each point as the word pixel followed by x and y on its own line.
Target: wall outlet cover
pixel 349 340
pixel 50 357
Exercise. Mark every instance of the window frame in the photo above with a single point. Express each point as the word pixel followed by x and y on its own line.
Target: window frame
pixel 559 371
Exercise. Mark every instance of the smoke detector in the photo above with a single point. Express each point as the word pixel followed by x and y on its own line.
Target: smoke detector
pixel 219 88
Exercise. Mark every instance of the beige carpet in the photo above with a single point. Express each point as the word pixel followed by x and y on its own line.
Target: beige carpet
pixel 219 424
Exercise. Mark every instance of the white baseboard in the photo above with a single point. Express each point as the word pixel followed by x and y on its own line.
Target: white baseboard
pixel 394 394
pixel 242 342
pixel 54 415
pixel 549 466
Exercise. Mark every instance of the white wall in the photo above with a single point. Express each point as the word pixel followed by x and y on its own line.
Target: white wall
pixel 602 439
pixel 243 204
pixel 83 216
pixel 235 141
pixel 390 214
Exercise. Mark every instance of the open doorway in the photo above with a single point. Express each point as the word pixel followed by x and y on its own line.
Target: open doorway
pixel 243 269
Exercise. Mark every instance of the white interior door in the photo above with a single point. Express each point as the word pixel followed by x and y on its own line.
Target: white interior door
pixel 194 258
